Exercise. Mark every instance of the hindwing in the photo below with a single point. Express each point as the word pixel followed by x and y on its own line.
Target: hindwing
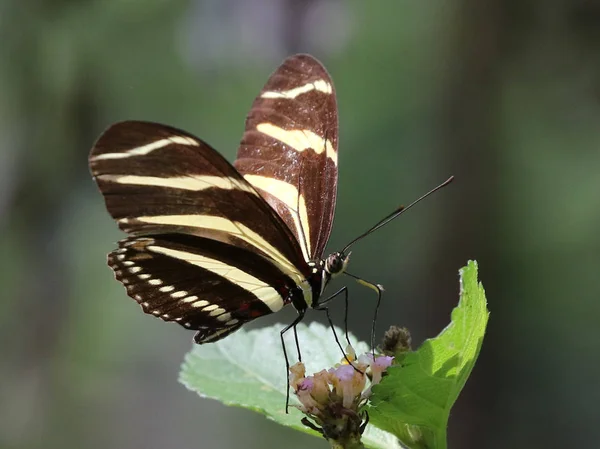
pixel 200 283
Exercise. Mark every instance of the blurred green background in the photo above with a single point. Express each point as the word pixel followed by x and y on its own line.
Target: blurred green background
pixel 503 94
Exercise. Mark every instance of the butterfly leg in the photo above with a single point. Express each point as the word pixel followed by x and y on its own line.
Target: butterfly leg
pixel 379 289
pixel 337 340
pixel 322 307
pixel 343 290
pixel 297 344
pixel 287 361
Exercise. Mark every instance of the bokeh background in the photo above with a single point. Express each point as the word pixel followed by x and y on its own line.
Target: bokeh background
pixel 503 94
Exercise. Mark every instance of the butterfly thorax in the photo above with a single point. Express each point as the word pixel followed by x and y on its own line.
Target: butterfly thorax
pixel 323 271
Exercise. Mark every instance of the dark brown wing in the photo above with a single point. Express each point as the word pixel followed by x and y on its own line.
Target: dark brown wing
pixel 289 150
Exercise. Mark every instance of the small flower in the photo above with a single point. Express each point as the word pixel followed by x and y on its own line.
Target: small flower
pixel 348 382
pixel 377 368
pixel 379 365
pixel 321 387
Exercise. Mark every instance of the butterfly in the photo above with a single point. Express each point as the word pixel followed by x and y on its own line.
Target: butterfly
pixel 212 245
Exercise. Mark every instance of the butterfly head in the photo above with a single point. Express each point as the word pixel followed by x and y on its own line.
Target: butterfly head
pixel 336 264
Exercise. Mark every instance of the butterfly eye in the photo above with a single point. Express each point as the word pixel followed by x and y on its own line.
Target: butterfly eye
pixel 335 263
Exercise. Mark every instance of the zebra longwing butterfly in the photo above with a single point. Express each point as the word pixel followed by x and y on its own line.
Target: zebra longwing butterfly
pixel 212 246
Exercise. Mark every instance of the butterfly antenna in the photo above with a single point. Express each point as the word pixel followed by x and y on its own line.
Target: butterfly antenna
pixel 395 214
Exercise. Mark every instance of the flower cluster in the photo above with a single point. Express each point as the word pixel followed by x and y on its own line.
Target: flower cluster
pixel 333 398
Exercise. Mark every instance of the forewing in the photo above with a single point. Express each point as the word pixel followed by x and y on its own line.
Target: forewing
pixel 156 179
pixel 289 150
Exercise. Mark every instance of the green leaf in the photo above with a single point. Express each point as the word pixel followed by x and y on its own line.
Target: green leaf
pixel 413 402
pixel 247 369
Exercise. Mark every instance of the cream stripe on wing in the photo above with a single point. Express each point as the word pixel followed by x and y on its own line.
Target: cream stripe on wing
pixel 288 194
pixel 234 228
pixel 145 149
pixel 191 182
pixel 263 291
pixel 300 139
pixel 319 85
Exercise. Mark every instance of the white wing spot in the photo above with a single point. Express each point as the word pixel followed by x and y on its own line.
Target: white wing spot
pixel 179 294
pixel 144 276
pixel 232 322
pixel 216 312
pixel 189 299
pixel 210 308
pixel 134 270
pixel 224 317
pixel 155 281
pixel 167 288
pixel 200 304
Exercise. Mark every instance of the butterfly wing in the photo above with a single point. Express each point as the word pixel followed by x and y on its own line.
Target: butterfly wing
pixel 197 227
pixel 200 283
pixel 289 150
